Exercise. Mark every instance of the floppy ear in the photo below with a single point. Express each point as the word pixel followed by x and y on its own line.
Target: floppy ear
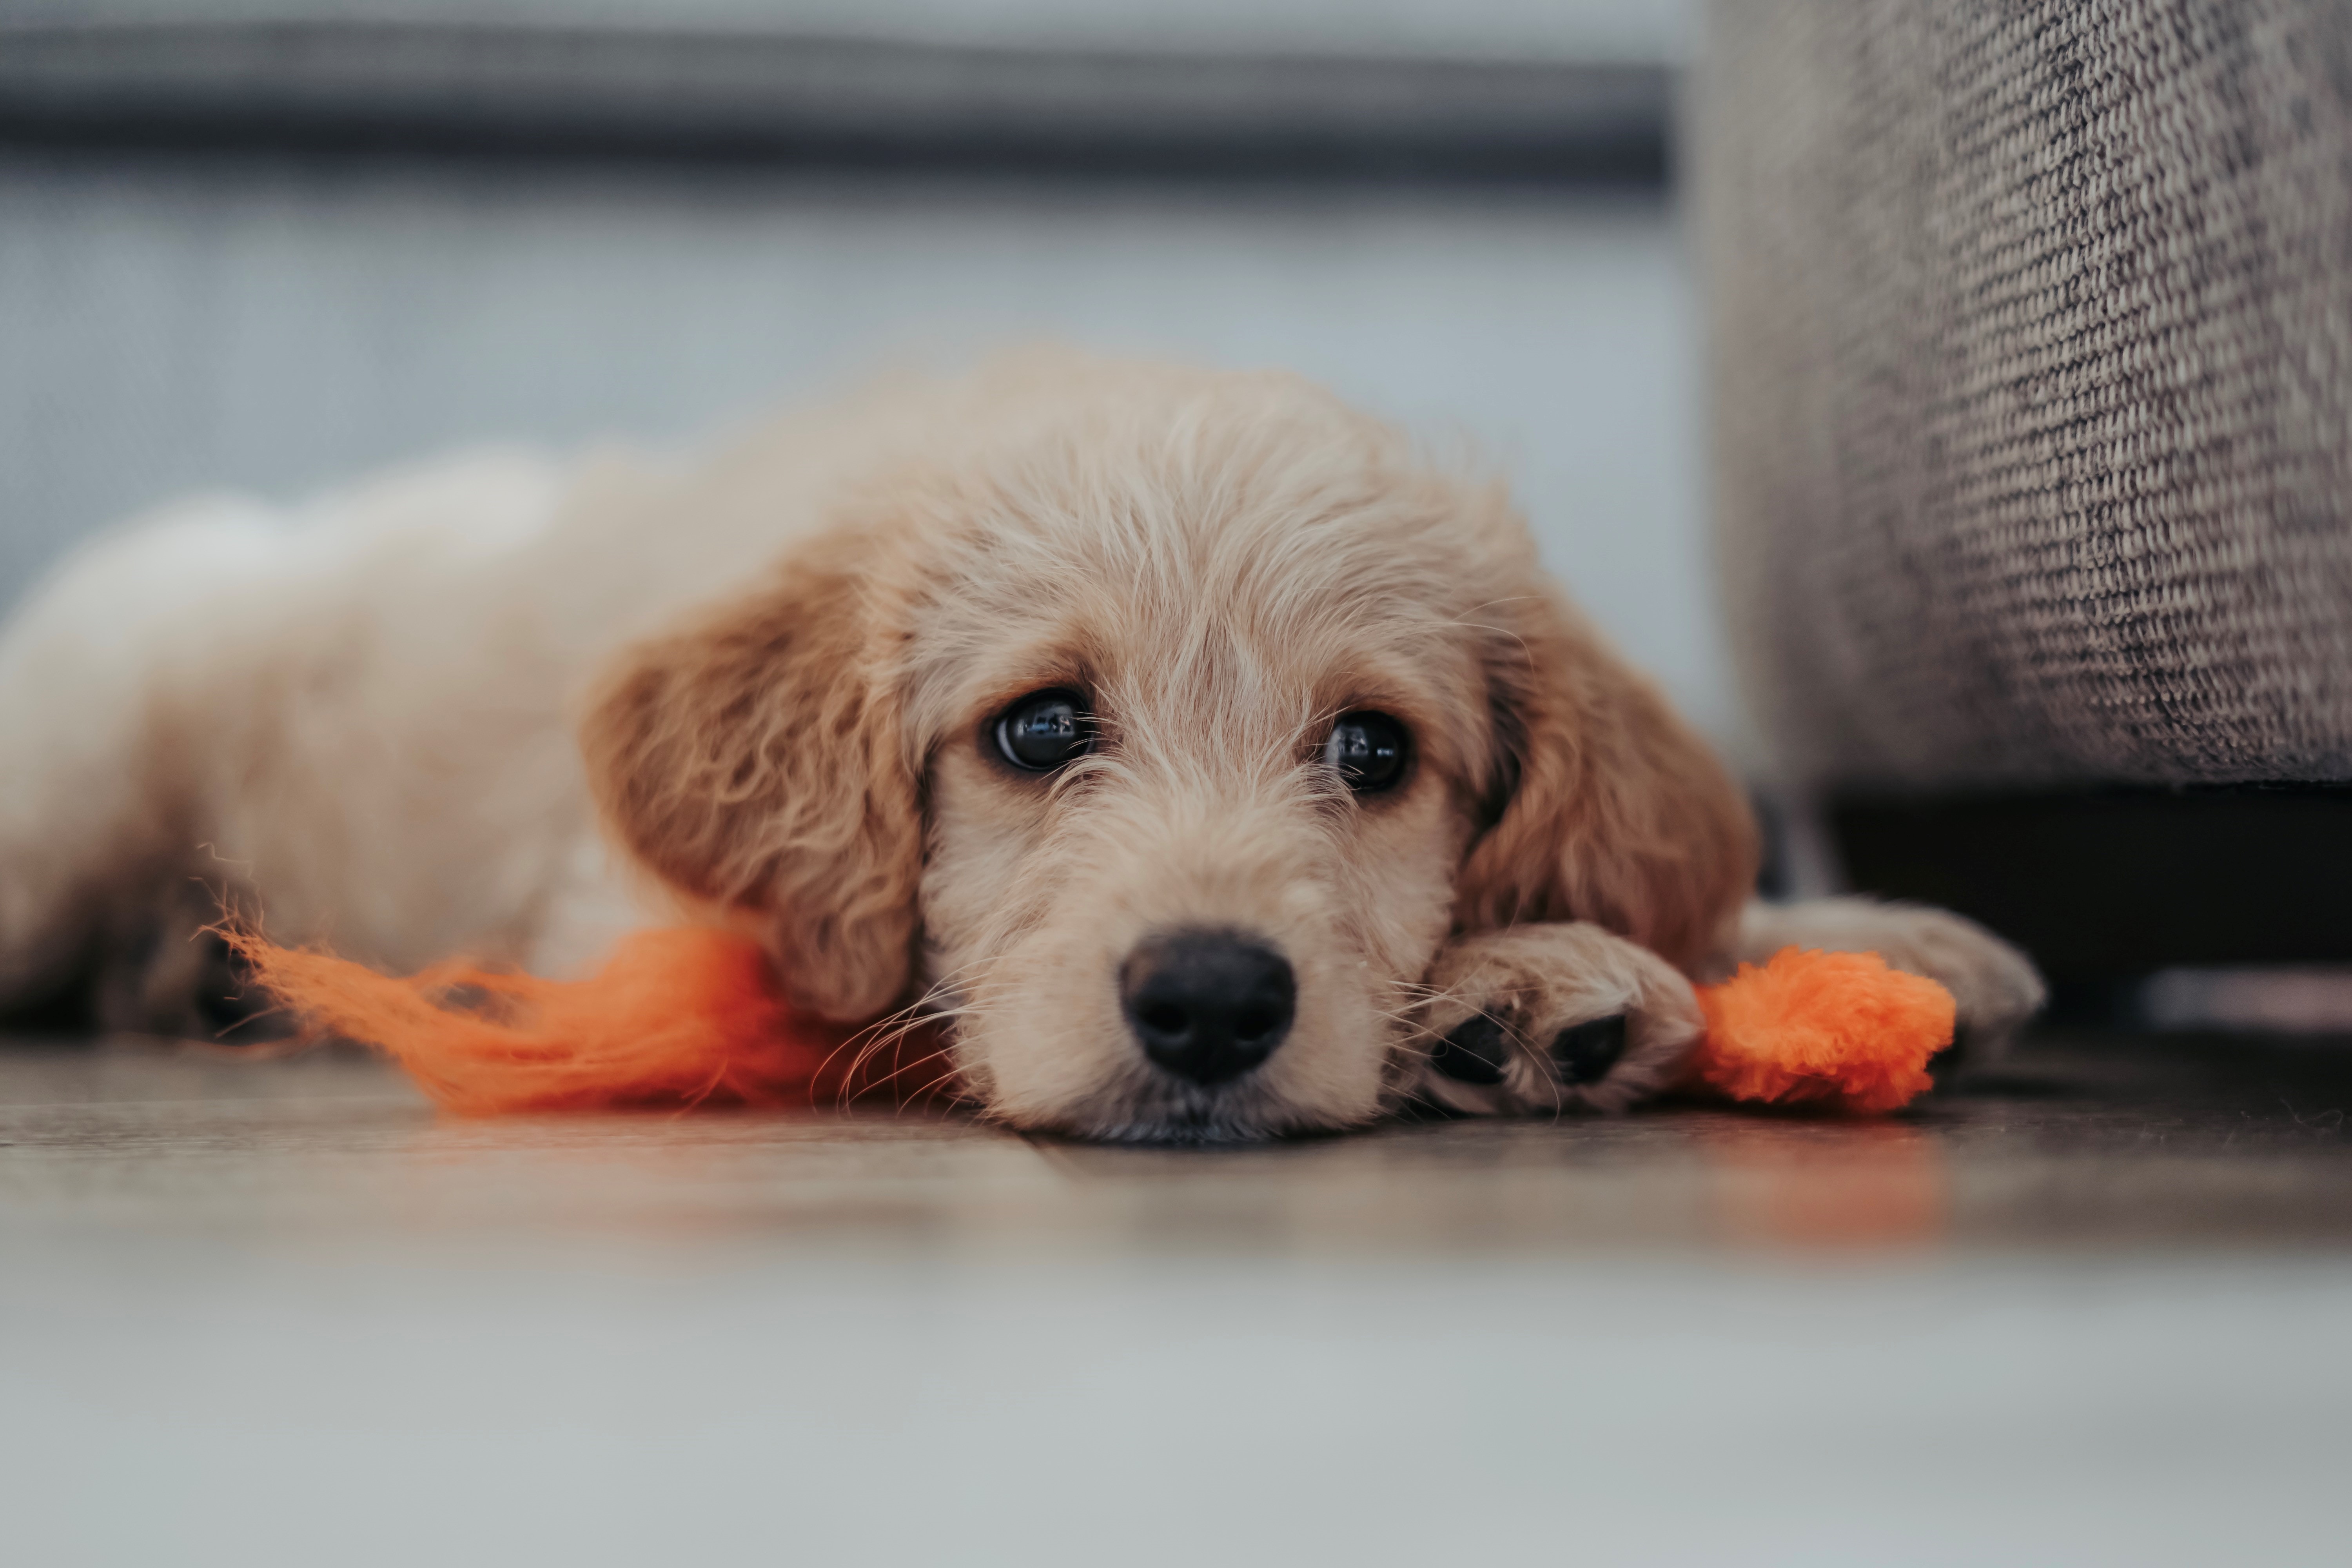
pixel 753 759
pixel 1611 809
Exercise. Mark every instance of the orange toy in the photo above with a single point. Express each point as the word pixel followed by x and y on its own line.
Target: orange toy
pixel 687 1016
pixel 1833 1029
pixel 677 1016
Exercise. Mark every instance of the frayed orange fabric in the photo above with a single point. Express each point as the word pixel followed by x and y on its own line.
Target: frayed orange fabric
pixel 1831 1029
pixel 677 1018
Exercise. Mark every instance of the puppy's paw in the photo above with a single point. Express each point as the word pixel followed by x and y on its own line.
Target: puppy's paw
pixel 1545 1018
pixel 1995 988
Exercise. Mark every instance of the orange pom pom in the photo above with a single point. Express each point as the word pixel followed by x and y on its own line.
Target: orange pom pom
pixel 1835 1027
pixel 677 1018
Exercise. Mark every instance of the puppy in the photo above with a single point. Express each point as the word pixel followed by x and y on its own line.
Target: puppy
pixel 1215 767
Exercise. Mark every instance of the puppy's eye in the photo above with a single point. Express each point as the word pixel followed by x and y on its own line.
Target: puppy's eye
pixel 1367 751
pixel 1045 730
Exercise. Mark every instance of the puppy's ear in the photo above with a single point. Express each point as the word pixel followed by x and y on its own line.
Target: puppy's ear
pixel 753 759
pixel 1607 807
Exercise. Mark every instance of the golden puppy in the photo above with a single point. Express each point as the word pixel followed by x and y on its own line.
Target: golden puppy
pixel 1216 766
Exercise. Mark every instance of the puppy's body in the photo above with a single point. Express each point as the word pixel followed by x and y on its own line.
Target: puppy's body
pixel 361 711
pixel 409 718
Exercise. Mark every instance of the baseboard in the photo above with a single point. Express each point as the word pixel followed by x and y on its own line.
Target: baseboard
pixel 468 89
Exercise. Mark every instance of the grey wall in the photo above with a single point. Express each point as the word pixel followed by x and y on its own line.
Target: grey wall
pixel 273 326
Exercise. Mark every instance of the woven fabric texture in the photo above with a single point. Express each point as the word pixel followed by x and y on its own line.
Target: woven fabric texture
pixel 2031 338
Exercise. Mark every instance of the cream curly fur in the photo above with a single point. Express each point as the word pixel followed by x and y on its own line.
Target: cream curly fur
pixel 409 718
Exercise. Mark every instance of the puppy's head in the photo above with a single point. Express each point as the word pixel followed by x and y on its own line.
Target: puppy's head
pixel 1160 743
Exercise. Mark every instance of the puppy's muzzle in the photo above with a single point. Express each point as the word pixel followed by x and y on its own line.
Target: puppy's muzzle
pixel 1207 1006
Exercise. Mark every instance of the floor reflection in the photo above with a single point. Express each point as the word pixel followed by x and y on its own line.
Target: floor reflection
pixel 1851 1184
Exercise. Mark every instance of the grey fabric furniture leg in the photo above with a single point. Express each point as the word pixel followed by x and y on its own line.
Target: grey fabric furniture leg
pixel 2032 330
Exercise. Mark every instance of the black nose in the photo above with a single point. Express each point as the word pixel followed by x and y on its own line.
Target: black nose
pixel 1206 1005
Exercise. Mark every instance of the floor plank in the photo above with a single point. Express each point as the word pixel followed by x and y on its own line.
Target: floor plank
pixel 2090 1309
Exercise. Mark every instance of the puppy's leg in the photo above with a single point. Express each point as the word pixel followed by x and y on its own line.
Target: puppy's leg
pixel 1996 987
pixel 114 695
pixel 1550 1017
pixel 94 838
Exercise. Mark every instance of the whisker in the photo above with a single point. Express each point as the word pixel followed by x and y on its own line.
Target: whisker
pixel 877 1036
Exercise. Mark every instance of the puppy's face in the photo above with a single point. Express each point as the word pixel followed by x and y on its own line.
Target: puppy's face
pixel 1201 778
pixel 1161 748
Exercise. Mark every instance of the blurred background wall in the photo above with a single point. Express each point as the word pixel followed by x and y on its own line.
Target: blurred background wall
pixel 266 246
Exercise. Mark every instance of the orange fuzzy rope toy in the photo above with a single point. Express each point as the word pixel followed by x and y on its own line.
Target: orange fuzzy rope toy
pixel 677 1016
pixel 1837 1029
pixel 687 1016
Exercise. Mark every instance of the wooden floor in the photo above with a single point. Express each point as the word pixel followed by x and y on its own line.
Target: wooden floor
pixel 2091 1308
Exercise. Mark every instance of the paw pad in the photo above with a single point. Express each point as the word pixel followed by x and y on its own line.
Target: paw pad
pixel 1474 1052
pixel 1583 1053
